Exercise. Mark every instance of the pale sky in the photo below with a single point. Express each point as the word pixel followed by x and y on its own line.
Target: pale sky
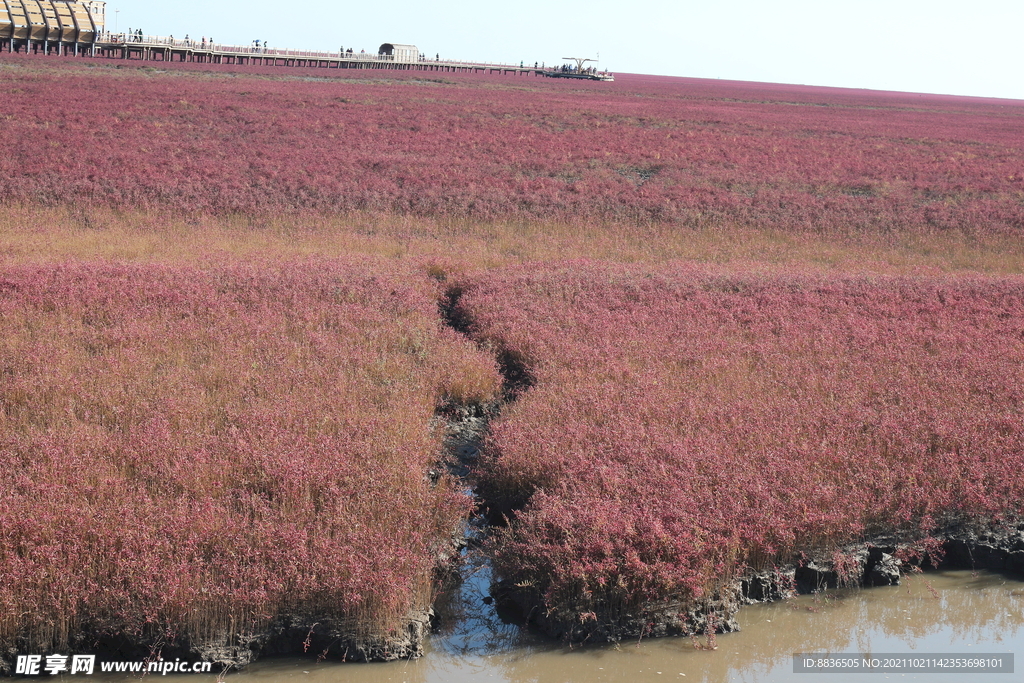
pixel 960 47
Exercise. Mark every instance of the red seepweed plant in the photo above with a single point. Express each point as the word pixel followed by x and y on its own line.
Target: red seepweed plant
pixel 190 453
pixel 687 423
pixel 641 150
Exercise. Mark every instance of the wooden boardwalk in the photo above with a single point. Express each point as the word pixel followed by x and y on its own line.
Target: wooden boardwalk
pixel 169 49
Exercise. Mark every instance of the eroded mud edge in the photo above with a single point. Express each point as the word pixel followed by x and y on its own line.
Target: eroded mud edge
pixel 881 561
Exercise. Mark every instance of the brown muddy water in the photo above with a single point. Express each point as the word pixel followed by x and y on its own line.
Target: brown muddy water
pixel 937 612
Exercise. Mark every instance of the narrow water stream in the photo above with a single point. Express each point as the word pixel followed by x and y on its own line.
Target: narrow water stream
pixel 938 612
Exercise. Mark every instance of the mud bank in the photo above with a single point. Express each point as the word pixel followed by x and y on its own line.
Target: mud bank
pixel 286 635
pixel 327 638
pixel 882 561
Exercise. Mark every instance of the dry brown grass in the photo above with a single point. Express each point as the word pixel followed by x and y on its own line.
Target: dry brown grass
pixel 39 235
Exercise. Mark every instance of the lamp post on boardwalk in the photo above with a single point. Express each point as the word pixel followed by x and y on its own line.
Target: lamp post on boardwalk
pixel 580 61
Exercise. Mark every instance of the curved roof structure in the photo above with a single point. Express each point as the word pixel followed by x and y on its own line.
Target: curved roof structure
pixel 56 21
pixel 400 53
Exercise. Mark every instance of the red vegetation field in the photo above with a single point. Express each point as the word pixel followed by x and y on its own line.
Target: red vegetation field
pixel 687 423
pixel 190 453
pixel 221 349
pixel 693 153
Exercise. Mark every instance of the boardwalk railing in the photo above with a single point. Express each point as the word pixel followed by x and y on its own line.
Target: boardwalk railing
pixel 202 45
pixel 131 46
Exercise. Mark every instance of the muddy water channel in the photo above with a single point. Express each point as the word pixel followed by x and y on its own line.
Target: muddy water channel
pixel 938 612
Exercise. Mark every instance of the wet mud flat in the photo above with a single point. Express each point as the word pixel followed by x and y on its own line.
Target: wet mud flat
pixel 939 611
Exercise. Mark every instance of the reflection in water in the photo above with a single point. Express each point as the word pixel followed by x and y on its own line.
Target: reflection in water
pixel 936 612
pixel 467 624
